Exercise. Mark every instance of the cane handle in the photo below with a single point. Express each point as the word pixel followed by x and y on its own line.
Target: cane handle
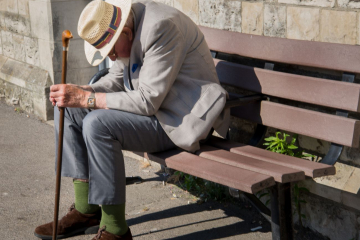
pixel 66 36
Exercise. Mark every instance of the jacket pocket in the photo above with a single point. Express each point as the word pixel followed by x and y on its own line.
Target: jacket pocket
pixel 206 101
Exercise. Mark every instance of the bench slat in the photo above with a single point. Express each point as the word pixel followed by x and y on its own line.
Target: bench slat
pixel 332 128
pixel 280 173
pixel 333 56
pixel 238 178
pixel 335 94
pixel 311 169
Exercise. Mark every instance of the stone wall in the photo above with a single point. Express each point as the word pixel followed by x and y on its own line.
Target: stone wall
pixel 333 207
pixel 335 21
pixel 31 51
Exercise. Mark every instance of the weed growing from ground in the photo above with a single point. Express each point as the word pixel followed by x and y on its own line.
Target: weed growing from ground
pixel 203 189
pixel 283 146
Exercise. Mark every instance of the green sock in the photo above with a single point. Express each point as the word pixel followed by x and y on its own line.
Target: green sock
pixel 113 217
pixel 81 198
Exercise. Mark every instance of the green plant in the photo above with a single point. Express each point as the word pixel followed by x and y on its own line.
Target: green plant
pixel 18 110
pixel 297 199
pixel 262 194
pixel 283 146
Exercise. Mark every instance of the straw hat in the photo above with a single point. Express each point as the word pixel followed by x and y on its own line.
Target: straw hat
pixel 100 25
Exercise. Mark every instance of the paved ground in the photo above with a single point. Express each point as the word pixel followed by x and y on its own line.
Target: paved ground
pixel 27 186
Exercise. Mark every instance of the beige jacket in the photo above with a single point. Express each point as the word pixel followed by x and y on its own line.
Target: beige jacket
pixel 171 75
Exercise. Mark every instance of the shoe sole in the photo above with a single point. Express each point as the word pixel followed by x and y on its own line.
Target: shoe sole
pixel 82 231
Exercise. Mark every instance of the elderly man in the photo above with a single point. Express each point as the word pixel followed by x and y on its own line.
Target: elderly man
pixel 162 92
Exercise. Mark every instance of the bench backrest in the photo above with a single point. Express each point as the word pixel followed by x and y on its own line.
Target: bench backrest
pixel 322 92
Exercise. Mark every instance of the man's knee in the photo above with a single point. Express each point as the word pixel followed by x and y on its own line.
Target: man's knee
pixel 69 113
pixel 93 124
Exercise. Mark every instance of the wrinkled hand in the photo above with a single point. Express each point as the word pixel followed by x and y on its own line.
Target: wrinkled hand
pixel 68 95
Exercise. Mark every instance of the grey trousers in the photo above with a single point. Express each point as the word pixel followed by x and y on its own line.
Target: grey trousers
pixel 92 146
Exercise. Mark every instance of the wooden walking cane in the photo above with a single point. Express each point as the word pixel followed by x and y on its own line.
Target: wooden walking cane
pixel 66 36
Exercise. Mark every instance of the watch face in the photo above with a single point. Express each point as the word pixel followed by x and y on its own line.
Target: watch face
pixel 91 102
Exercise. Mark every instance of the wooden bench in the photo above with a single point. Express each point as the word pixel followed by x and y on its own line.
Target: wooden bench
pixel 250 169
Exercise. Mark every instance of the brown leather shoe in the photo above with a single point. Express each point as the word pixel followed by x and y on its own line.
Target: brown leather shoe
pixel 73 223
pixel 104 235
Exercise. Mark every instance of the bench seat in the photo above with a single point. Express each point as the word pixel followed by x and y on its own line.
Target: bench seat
pixel 240 166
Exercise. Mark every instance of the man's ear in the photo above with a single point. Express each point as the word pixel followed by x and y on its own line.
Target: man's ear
pixel 128 32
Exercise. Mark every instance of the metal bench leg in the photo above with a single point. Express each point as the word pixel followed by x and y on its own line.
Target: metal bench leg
pixel 281 212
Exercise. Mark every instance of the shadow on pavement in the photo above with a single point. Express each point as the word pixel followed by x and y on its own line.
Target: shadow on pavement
pixel 243 226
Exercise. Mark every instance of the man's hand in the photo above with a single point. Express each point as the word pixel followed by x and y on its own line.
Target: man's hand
pixel 68 95
pixel 71 95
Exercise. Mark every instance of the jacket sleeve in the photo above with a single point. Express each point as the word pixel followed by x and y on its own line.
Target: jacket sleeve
pixel 111 82
pixel 163 57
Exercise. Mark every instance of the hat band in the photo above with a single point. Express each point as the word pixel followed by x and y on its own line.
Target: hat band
pixel 110 32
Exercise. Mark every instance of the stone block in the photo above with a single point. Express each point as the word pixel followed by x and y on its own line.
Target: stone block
pixel 167 2
pixel 12 6
pixel 329 219
pixel 322 190
pixel 189 7
pixel 2 60
pixel 348 3
pixel 350 200
pixel 32 51
pixel 38 80
pixel 351 155
pixel 2 20
pixel 26 100
pixel 11 92
pixel 65 15
pixel 339 180
pixel 3 5
pixel 76 55
pixel 303 23
pixel 40 18
pixel 313 144
pixel 275 21
pixel 7 44
pixel 43 108
pixel 221 14
pixel 17 24
pixel 16 72
pixel 252 17
pixel 319 3
pixel 23 6
pixel 19 47
pixel 46 56
pixel 353 183
pixel 338 27
pixel 0 47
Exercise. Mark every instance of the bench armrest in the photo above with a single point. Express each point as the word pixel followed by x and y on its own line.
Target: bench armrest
pixel 98 75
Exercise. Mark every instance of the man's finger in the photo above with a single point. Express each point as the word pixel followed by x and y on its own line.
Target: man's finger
pixel 56 94
pixel 57 87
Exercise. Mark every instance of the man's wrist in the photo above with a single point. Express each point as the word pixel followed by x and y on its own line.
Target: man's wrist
pixel 91 101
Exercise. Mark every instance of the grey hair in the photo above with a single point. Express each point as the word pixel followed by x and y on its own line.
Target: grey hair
pixel 130 21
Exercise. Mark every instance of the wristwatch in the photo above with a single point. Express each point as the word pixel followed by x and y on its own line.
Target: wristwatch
pixel 91 101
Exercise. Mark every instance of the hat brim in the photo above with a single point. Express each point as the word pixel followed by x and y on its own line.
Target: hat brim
pixel 95 56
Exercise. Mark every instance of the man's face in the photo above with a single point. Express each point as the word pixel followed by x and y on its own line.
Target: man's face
pixel 122 47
